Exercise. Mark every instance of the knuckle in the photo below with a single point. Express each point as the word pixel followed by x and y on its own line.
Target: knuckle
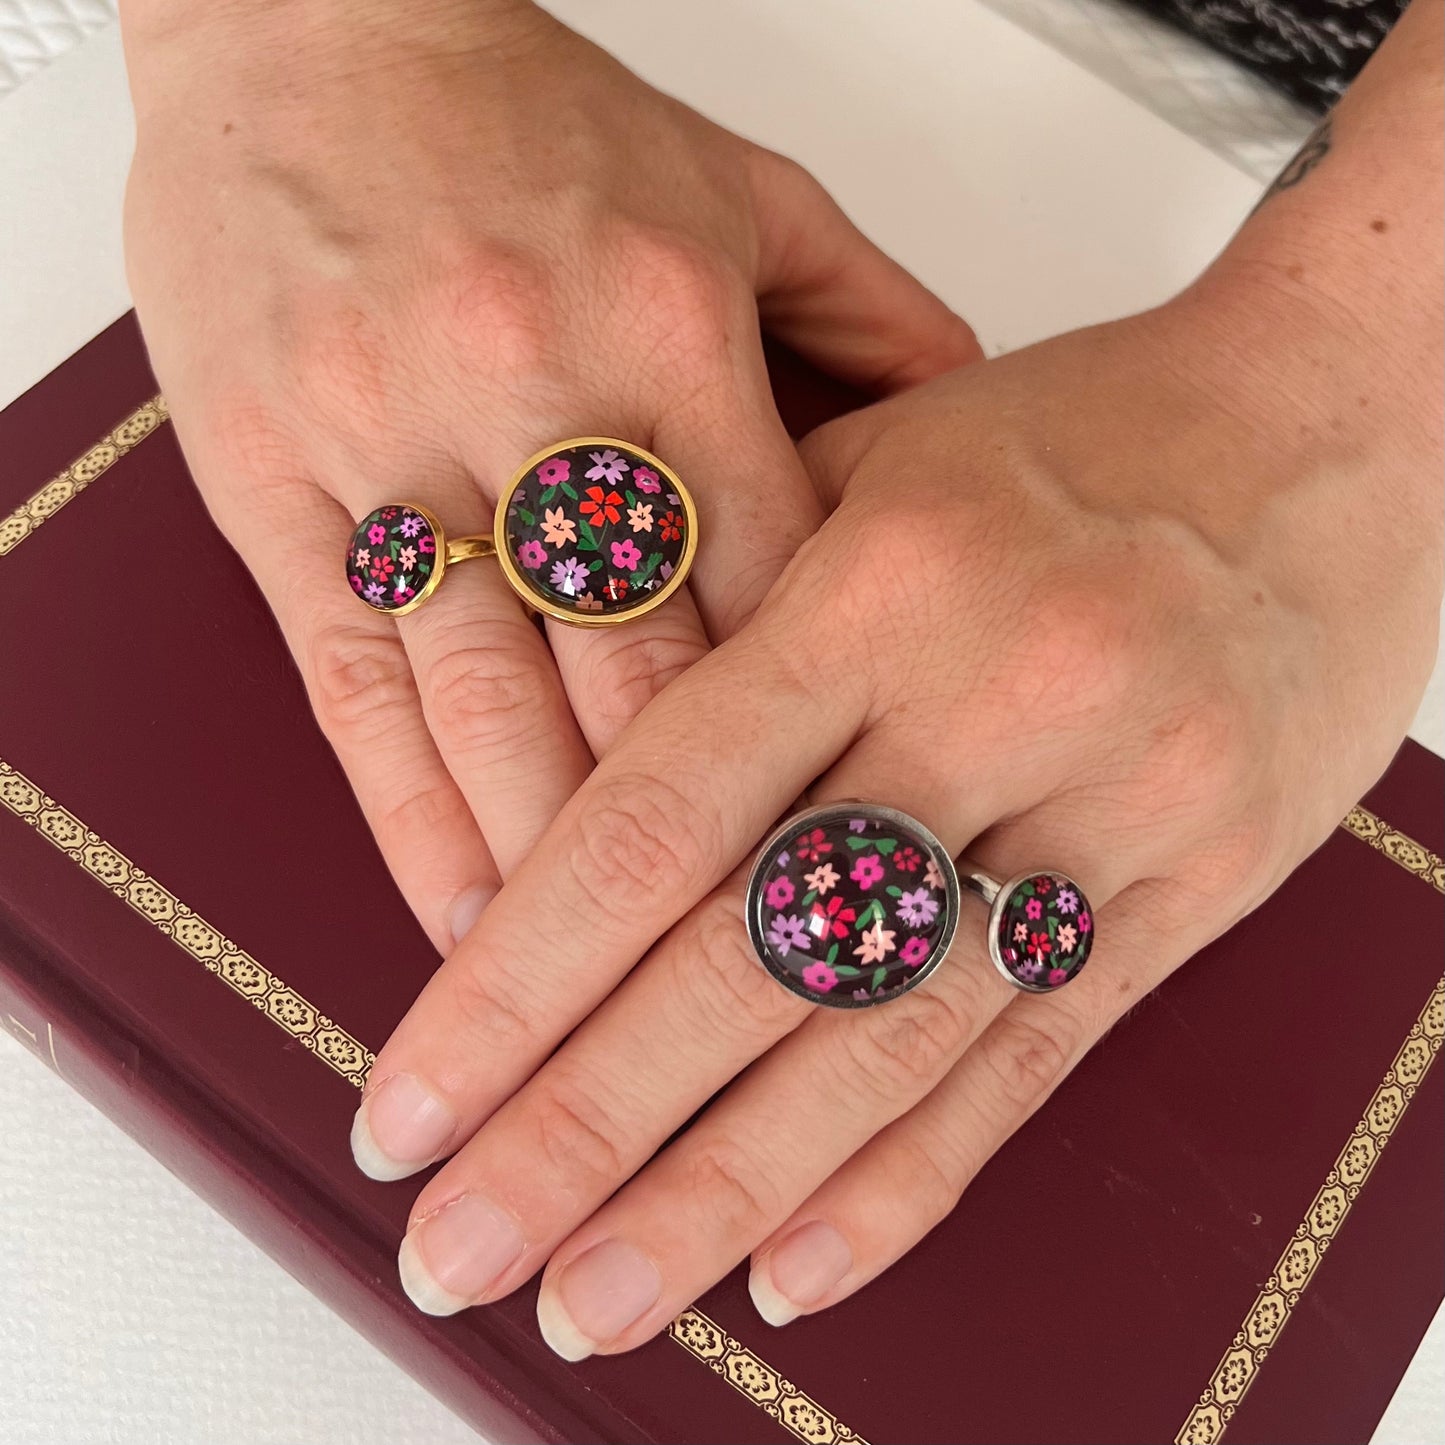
pixel 357 679
pixel 931 1185
pixel 622 679
pixel 575 1134
pixel 686 291
pixel 495 305
pixel 486 698
pixel 482 1006
pixel 342 357
pixel 1027 1060
pixel 730 1187
pixel 1197 754
pixel 909 1047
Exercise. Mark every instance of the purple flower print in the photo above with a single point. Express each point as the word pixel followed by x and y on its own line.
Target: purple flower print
pixel 412 525
pixel 554 472
pixel 867 870
pixel 376 534
pixel 1028 970
pixel 918 909
pixel 625 554
pixel 373 592
pixel 914 952
pixel 1067 901
pixel 857 825
pixel 531 554
pixel 646 479
pixel 1034 909
pixel 819 977
pixel 780 892
pixel 609 467
pixel 788 932
pixel 571 577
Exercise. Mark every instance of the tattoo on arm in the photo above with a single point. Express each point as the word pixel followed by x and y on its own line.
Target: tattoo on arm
pixel 1309 155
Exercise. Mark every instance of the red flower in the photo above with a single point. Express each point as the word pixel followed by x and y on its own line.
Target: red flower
pixel 907 860
pixel 599 507
pixel 1043 885
pixel 1039 945
pixel 812 845
pixel 671 525
pixel 616 589
pixel 831 919
pixel 382 568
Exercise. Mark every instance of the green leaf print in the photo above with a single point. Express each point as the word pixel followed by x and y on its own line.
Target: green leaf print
pixel 879 974
pixel 596 566
pixel 646 570
pixel 832 954
pixel 893 891
pixel 808 897
pixel 846 970
pixel 886 846
pixel 870 912
pixel 1053 923
pixel 528 517
pixel 587 538
pixel 631 499
pixel 569 491
pixel 547 496
pixel 856 843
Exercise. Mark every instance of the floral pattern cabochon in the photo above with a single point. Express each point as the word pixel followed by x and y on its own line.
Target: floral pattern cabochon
pixel 851 906
pixel 596 529
pixel 1045 931
pixel 392 557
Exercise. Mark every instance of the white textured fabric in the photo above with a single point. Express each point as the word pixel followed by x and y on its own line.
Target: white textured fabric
pixel 34 32
pixel 1033 198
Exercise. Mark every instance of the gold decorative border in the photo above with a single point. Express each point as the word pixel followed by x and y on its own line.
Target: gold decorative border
pixel 799 1414
pixel 1409 854
pixel 80 474
pixel 183 926
pixel 1323 1220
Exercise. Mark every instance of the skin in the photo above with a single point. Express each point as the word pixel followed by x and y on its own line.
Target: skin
pixel 1161 593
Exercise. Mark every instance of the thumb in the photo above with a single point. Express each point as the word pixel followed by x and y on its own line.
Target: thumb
pixel 828 292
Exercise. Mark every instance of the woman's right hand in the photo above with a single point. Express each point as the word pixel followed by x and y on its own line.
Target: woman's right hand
pixel 385 252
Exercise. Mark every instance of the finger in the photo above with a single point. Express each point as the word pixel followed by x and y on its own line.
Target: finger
pixel 665 815
pixel 834 297
pixel 891 1193
pixel 361 688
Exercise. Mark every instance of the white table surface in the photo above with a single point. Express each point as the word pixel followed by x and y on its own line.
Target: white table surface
pixel 1031 194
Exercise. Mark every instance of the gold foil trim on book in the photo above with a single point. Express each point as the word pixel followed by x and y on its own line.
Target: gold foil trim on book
pixel 205 943
pixel 759 1382
pixel 1323 1220
pixel 80 474
pixel 1413 857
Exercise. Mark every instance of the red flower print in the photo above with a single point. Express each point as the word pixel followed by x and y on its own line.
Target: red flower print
pixel 1039 945
pixel 907 859
pixel 1043 885
pixel 616 589
pixel 831 919
pixel 382 568
pixel 387 513
pixel 812 845
pixel 599 506
pixel 671 525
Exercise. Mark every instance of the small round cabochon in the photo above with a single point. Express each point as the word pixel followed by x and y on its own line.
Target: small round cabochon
pixel 392 556
pixel 1045 930
pixel 595 529
pixel 851 906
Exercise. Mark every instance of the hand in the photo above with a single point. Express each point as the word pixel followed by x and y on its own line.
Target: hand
pixel 385 252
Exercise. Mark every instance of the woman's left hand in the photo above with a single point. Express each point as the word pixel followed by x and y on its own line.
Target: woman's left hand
pixel 1110 604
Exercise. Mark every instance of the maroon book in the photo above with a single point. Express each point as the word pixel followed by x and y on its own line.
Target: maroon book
pixel 1203 1234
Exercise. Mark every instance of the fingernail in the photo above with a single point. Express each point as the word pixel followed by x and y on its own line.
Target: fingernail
pixel 400 1128
pixel 797 1273
pixel 596 1297
pixel 466 909
pixel 452 1258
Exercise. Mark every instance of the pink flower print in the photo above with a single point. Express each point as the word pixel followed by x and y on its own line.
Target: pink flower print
pixel 780 892
pixel 355 584
pixel 376 534
pixel 587 603
pixel 426 546
pixel 1085 922
pixel 867 871
pixel 788 932
pixel 907 859
pixel 555 471
pixel 1033 909
pixel 570 577
pixel 918 909
pixel 609 467
pixel 875 944
pixel 373 592
pixel 407 558
pixel 558 528
pixel 639 518
pixel 819 977
pixel 1066 938
pixel 1021 933
pixel 403 594
pixel 532 554
pixel 1058 976
pixel 625 554
pixel 363 557
pixel 914 952
pixel 813 845
pixel 1067 901
pixel 931 876
pixel 831 918
pixel 412 525
pixel 823 878
pixel 646 479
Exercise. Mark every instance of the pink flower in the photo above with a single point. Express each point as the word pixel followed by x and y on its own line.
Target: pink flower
pixel 355 584
pixel 1021 933
pixel 876 943
pixel 1058 976
pixel 554 472
pixel 646 480
pixel 1085 922
pixel 1034 909
pixel 914 952
pixel 1066 938
pixel 780 892
pixel 558 528
pixel 932 876
pixel 403 594
pixel 867 870
pixel 363 557
pixel 822 878
pixel 531 554
pixel 625 554
pixel 376 534
pixel 427 545
pixel 407 558
pixel 587 603
pixel 819 977
pixel 639 518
